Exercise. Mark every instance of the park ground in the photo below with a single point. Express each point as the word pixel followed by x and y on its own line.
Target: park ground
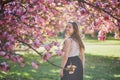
pixel 102 63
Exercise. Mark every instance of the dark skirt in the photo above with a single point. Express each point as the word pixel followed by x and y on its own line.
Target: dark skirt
pixel 78 74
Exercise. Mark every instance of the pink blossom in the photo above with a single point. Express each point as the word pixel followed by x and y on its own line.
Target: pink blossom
pixel 41 1
pixel 26 40
pixel 35 65
pixel 101 35
pixel 50 1
pixel 6 56
pixel 59 53
pixel 52 5
pixel 118 24
pixel 97 23
pixel 31 9
pixel 101 38
pixel 9 46
pixel 49 33
pixel 83 11
pixel 47 47
pixel 2 53
pixel 114 2
pixel 106 17
pixel 106 4
pixel 10 37
pixel 5 34
pixel 36 43
pixel 116 36
pixel 13 58
pixel 19 59
pixel 98 4
pixel 43 38
pixel 4 66
pixel 108 29
pixel 57 44
pixel 46 56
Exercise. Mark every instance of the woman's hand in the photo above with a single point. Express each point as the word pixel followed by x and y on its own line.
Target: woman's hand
pixel 61 73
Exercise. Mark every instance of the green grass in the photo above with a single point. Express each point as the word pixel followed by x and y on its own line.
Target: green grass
pixel 103 48
pixel 102 63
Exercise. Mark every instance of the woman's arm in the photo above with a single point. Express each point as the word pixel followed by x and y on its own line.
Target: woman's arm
pixel 66 49
pixel 82 56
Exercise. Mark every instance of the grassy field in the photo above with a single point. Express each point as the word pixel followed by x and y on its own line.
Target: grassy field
pixel 102 63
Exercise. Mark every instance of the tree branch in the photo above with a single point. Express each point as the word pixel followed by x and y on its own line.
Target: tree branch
pixel 3 2
pixel 83 1
pixel 39 53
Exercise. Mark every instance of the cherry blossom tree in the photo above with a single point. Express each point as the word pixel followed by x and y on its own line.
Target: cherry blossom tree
pixel 95 15
pixel 27 22
pixel 30 23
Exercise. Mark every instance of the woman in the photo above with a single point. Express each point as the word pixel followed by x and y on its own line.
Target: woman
pixel 72 65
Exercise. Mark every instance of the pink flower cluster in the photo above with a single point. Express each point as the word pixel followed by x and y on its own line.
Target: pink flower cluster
pixel 13 58
pixel 59 52
pixel 35 65
pixel 4 66
pixel 101 35
pixel 46 56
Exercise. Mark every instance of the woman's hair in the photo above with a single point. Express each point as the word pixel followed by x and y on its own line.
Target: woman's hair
pixel 76 35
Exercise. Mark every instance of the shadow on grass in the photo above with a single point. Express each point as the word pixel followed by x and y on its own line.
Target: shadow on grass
pixel 102 68
pixel 96 68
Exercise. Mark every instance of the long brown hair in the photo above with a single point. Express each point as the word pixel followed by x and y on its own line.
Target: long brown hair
pixel 76 35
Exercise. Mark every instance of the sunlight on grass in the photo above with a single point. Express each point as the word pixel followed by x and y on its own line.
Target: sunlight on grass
pixel 54 71
pixel 88 77
pixel 33 70
pixel 26 74
pixel 92 67
pixel 104 50
pixel 112 42
pixel 117 75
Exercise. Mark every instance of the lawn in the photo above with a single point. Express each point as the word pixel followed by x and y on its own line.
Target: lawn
pixel 102 63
